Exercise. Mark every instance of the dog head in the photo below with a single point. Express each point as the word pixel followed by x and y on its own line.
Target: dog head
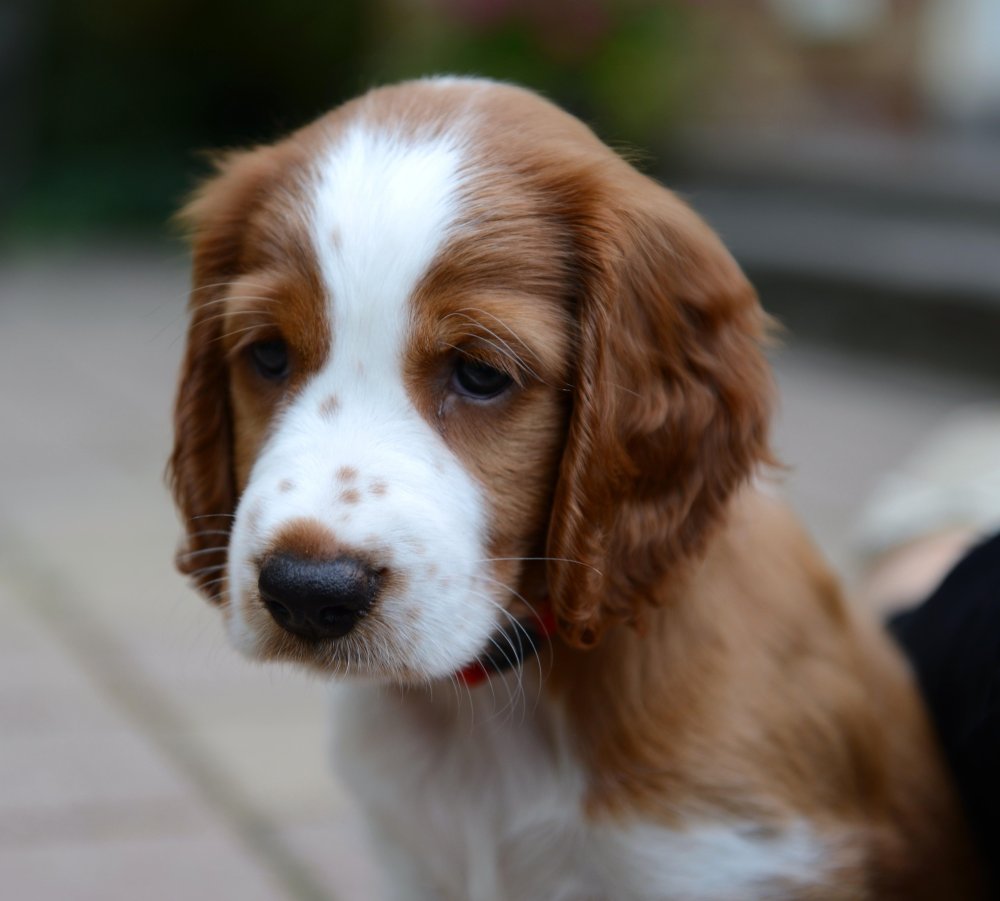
pixel 450 359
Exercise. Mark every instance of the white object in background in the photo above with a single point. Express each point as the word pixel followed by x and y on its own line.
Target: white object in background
pixel 960 59
pixel 830 20
pixel 950 483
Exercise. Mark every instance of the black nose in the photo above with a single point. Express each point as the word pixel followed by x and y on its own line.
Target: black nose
pixel 317 598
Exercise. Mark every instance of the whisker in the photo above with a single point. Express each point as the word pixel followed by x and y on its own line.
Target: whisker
pixel 189 295
pixel 494 317
pixel 551 559
pixel 512 696
pixel 626 390
pixel 201 552
pixel 234 333
pixel 464 313
pixel 519 364
pixel 229 284
pixel 527 641
pixel 207 569
pixel 228 314
pixel 507 350
pixel 514 592
pixel 212 582
pixel 520 626
pixel 231 297
pixel 209 515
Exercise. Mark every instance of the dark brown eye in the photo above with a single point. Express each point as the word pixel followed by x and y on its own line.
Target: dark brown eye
pixel 478 380
pixel 270 359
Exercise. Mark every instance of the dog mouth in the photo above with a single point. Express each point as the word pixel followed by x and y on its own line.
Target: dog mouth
pixel 371 643
pixel 368 647
pixel 350 616
pixel 355 649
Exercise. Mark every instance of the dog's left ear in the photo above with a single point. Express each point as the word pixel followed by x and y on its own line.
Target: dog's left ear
pixel 671 406
pixel 201 463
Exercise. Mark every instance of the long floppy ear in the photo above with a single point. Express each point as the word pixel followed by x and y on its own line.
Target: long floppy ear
pixel 200 470
pixel 671 408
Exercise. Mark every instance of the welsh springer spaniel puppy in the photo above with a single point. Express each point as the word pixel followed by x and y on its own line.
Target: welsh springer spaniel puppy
pixel 469 416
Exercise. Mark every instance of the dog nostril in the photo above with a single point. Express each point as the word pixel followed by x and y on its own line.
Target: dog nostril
pixel 317 598
pixel 337 622
pixel 330 615
pixel 279 611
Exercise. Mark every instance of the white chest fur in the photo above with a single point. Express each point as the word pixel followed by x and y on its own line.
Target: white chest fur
pixel 475 799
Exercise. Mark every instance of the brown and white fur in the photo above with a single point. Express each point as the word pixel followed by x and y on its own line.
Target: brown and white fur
pixel 711 720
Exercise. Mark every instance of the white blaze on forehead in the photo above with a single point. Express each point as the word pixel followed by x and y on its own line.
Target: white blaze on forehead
pixel 383 207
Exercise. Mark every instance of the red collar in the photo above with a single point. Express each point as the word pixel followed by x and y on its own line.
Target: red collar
pixel 511 648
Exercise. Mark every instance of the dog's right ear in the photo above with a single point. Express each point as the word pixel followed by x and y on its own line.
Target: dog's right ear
pixel 200 470
pixel 671 405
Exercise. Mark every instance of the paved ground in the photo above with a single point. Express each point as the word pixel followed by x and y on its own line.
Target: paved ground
pixel 139 756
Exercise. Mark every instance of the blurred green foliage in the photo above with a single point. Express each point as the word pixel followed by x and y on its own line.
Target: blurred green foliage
pixel 114 100
pixel 619 64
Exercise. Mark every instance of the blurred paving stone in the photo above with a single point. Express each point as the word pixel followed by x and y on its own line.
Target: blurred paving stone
pixel 277 760
pixel 338 851
pixel 83 768
pixel 166 868
pixel 41 692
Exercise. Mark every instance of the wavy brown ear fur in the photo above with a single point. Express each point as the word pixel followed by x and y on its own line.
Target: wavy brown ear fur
pixel 200 470
pixel 671 408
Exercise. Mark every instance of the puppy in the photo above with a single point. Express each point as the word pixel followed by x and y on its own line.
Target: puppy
pixel 469 415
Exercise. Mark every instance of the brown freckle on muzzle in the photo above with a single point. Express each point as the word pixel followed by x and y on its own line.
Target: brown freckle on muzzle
pixel 378 488
pixel 330 406
pixel 346 474
pixel 285 485
pixel 350 496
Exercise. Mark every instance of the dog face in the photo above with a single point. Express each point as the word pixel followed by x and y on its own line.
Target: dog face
pixel 450 359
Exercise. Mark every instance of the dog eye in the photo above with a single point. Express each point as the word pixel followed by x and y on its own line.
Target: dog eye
pixel 478 380
pixel 270 359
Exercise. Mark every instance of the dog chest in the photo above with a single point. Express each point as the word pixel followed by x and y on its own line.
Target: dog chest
pixel 486 805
